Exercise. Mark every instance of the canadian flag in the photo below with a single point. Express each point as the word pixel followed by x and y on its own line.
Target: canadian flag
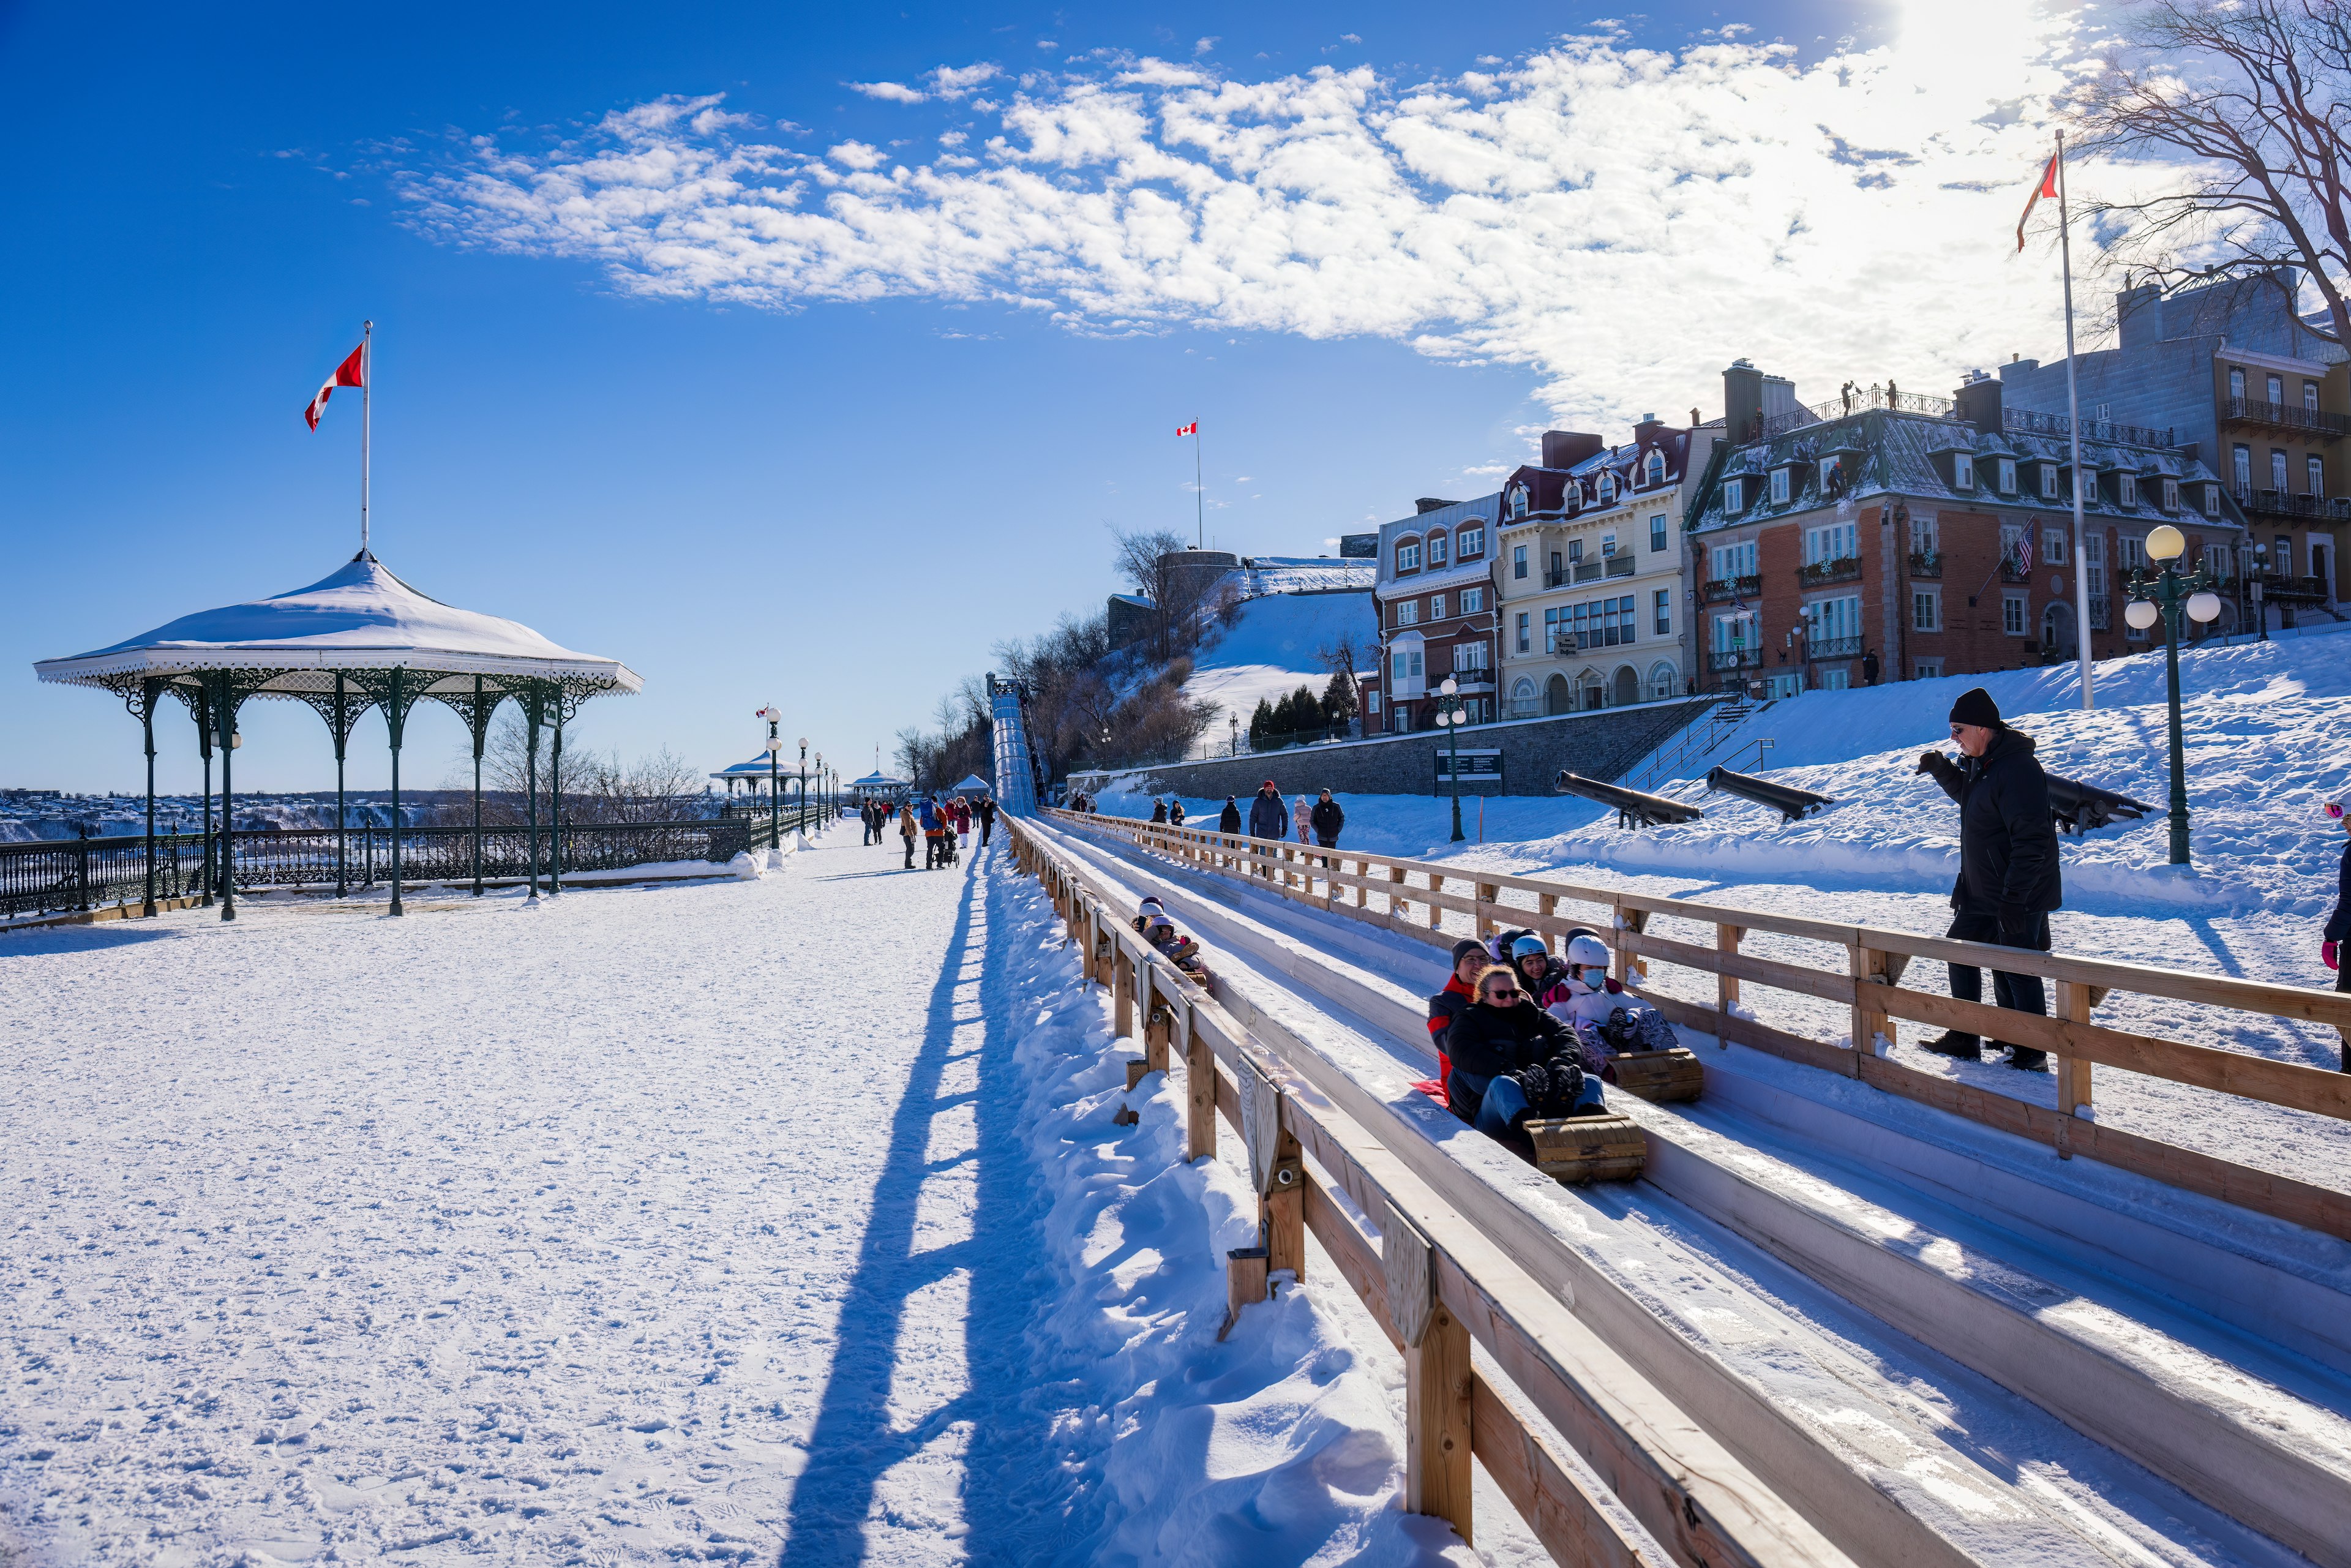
pixel 352 372
pixel 1191 429
pixel 2048 187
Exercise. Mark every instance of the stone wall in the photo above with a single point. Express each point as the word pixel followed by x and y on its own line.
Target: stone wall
pixel 1533 751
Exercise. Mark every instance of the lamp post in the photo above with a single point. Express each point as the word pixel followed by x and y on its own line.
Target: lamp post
pixel 775 745
pixel 1449 714
pixel 2257 578
pixel 803 828
pixel 2166 591
pixel 820 789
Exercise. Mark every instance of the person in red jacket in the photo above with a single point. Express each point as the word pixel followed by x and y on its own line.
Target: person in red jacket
pixel 1469 962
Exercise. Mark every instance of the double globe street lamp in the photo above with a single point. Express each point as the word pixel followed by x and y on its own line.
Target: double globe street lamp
pixel 1449 717
pixel 2163 592
pixel 775 747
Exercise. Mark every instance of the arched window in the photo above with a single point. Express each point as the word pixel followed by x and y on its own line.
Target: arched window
pixel 1665 681
pixel 1656 467
pixel 1409 554
pixel 1518 500
pixel 1607 488
pixel 1523 702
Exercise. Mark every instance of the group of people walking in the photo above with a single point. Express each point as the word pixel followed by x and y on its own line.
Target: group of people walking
pixel 944 827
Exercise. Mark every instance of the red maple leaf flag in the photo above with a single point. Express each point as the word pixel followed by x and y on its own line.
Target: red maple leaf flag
pixel 2048 187
pixel 1191 429
pixel 352 372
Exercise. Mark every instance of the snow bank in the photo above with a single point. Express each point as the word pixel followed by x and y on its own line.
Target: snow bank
pixel 1269 652
pixel 1273 1447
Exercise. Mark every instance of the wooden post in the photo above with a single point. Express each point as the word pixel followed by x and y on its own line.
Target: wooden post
pixel 1868 968
pixel 1158 1025
pixel 1396 905
pixel 1435 910
pixel 1726 986
pixel 2074 1004
pixel 1634 921
pixel 1546 905
pixel 1200 1096
pixel 1437 1379
pixel 1245 1270
pixel 1276 1170
pixel 1122 991
pixel 1488 894
pixel 1362 872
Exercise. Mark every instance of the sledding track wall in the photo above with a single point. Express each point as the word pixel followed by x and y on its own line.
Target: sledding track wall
pixel 1437 1263
pixel 1874 961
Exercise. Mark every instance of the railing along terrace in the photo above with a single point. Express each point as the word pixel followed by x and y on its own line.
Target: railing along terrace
pixel 1734 658
pixel 2033 422
pixel 2286 504
pixel 53 876
pixel 1716 590
pixel 1844 568
pixel 1925 563
pixel 1857 400
pixel 2287 416
pixel 1834 648
pixel 1851 975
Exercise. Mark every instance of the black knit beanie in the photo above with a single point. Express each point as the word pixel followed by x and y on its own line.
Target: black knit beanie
pixel 1464 948
pixel 1975 707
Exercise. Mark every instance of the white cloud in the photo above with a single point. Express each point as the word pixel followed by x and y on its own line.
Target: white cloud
pixel 896 92
pixel 1624 221
pixel 1205 46
pixel 953 82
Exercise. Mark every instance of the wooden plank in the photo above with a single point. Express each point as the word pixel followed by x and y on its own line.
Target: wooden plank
pixel 1786 976
pixel 2214 990
pixel 1200 1099
pixel 1564 1515
pixel 1726 984
pixel 2073 1072
pixel 1437 1384
pixel 1748 1032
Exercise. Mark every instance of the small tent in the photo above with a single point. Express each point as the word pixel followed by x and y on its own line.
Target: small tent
pixel 973 784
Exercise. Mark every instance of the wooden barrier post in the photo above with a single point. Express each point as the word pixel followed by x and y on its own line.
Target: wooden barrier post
pixel 1868 968
pixel 1277 1170
pixel 1158 1024
pixel 1362 874
pixel 1436 1378
pixel 1635 920
pixel 1122 991
pixel 1396 903
pixel 2073 1003
pixel 1199 1096
pixel 1726 986
pixel 1489 895
pixel 1435 910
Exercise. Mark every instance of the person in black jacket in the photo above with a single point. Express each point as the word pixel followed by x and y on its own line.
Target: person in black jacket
pixel 2008 880
pixel 1327 818
pixel 1268 818
pixel 1158 809
pixel 1508 1056
pixel 1229 821
pixel 986 811
pixel 2338 925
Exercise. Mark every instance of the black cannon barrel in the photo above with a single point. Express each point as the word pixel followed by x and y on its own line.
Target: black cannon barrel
pixel 2080 808
pixel 1633 808
pixel 1791 803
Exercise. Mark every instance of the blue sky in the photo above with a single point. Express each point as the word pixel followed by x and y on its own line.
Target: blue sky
pixel 761 453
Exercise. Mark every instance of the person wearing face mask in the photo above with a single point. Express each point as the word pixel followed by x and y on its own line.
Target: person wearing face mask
pixel 1511 1062
pixel 2009 879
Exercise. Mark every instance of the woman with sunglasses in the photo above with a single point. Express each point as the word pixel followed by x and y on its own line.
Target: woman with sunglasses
pixel 1501 1041
pixel 2338 925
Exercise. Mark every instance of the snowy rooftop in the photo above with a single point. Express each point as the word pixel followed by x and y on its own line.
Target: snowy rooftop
pixel 361 617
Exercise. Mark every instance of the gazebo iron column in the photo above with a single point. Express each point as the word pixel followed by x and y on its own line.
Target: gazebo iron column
pixel 533 698
pixel 476 709
pixel 141 702
pixel 199 701
pixel 396 691
pixel 567 705
pixel 225 699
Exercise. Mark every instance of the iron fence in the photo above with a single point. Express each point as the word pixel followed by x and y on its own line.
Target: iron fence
pixel 56 875
pixel 2033 422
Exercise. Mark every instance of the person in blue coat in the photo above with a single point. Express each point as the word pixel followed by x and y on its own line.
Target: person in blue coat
pixel 2338 925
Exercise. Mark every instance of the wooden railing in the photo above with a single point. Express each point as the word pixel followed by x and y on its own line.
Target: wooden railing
pixel 1862 972
pixel 1436 1269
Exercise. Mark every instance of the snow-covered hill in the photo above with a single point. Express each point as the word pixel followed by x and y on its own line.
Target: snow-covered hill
pixel 1269 652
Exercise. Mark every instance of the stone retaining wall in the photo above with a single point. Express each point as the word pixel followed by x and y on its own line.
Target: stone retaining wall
pixel 1533 751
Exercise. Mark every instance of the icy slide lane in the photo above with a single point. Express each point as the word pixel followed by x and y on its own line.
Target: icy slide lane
pixel 734 1221
pixel 1995 1478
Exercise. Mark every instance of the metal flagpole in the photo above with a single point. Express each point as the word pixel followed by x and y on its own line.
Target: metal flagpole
pixel 2074 425
pixel 367 392
pixel 1199 491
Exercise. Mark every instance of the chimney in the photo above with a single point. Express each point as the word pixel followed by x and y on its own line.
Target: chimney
pixel 1649 431
pixel 1978 400
pixel 2139 313
pixel 1742 402
pixel 1567 448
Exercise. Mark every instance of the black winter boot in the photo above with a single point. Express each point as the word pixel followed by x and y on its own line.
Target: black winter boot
pixel 2026 1060
pixel 1951 1042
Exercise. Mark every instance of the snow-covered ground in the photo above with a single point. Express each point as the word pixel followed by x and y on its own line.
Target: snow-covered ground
pixel 690 1223
pixel 1269 652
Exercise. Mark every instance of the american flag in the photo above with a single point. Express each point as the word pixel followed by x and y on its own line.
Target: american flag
pixel 2025 552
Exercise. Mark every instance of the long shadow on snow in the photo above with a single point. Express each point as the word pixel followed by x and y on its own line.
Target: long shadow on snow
pixel 1015 1501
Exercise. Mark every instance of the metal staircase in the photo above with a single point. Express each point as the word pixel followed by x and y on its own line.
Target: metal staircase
pixel 1682 750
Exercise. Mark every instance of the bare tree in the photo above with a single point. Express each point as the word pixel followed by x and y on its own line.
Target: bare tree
pixel 2250 100
pixel 1177 591
pixel 1349 656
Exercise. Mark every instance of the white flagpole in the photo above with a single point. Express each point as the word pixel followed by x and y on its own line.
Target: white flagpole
pixel 367 391
pixel 2074 424
pixel 1200 491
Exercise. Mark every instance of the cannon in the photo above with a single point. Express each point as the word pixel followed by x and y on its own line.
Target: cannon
pixel 1633 808
pixel 2080 808
pixel 1793 804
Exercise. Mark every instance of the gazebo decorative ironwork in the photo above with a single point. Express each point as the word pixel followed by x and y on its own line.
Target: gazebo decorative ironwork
pixel 359 638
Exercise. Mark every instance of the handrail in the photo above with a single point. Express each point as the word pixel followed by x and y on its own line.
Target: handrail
pixel 1874 961
pixel 1702 1504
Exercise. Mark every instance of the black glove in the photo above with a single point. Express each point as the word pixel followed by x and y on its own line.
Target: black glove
pixel 1535 1085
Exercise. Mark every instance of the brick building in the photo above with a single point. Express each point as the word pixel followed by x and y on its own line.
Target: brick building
pixel 1884 536
pixel 1434 595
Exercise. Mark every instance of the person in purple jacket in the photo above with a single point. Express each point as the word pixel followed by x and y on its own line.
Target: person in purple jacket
pixel 2338 925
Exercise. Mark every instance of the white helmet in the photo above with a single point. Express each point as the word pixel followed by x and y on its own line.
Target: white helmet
pixel 1587 952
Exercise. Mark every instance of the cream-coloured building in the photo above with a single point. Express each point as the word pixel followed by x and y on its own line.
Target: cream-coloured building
pixel 1593 586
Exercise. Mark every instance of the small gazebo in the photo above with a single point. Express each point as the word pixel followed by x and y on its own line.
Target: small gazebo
pixel 759 771
pixel 973 784
pixel 878 785
pixel 357 639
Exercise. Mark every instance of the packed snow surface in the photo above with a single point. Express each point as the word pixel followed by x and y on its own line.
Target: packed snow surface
pixel 709 1222
pixel 1271 651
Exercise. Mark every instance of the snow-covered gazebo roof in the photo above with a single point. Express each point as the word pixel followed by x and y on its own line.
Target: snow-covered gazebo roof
pixel 360 618
pixel 972 782
pixel 877 781
pixel 757 767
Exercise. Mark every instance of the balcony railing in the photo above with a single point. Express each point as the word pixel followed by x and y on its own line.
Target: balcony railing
pixel 1735 659
pixel 2102 613
pixel 1587 571
pixel 2011 570
pixel 1844 568
pixel 1723 588
pixel 1925 563
pixel 1620 565
pixel 2286 416
pixel 1832 648
pixel 2286 504
pixel 2295 589
pixel 1559 578
pixel 1859 400
pixel 2036 424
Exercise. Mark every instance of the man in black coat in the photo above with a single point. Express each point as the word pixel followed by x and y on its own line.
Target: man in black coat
pixel 1268 818
pixel 2008 880
pixel 1328 817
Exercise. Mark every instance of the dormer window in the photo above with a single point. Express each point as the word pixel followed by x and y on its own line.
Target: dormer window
pixel 1734 496
pixel 1436 550
pixel 1607 488
pixel 2126 489
pixel 1830 468
pixel 1656 467
pixel 1518 500
pixel 2048 481
pixel 1408 557
pixel 1779 486
pixel 2211 500
pixel 1963 471
pixel 2008 475
pixel 2171 495
pixel 1470 542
